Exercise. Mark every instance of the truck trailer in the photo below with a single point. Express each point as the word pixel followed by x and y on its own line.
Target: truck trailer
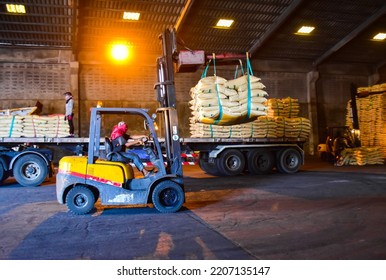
pixel 217 156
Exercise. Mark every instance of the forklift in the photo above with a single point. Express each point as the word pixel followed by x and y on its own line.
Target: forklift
pixel 342 137
pixel 82 180
pixel 338 139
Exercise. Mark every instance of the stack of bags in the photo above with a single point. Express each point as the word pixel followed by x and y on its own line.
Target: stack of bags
pixel 263 127
pixel 285 107
pixel 372 122
pixel 218 101
pixel 361 156
pixel 371 89
pixel 293 127
pixel 33 126
pixel 200 130
pixel 240 108
pixel 285 112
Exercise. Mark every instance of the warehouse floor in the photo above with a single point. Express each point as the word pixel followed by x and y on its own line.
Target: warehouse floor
pixel 321 212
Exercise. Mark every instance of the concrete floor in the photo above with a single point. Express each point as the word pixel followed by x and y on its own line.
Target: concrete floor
pixel 321 212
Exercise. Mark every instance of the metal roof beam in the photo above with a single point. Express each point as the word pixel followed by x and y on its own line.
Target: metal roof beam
pixel 275 26
pixel 350 36
pixel 66 25
pixel 183 15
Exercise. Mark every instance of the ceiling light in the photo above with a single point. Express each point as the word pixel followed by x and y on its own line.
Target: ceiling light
pixel 15 9
pixel 225 23
pixel 305 30
pixel 131 16
pixel 380 36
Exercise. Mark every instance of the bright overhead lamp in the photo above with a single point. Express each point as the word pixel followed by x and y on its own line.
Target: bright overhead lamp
pixel 380 36
pixel 225 23
pixel 120 52
pixel 304 30
pixel 16 9
pixel 131 15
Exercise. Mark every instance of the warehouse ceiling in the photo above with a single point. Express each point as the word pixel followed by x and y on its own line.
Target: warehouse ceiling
pixel 344 29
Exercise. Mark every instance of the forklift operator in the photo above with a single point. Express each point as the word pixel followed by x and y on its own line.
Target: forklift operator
pixel 121 141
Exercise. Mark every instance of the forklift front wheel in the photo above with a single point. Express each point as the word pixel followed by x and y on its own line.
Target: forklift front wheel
pixel 80 200
pixel 168 197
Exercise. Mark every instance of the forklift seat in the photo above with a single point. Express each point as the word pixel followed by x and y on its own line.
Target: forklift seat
pixel 108 148
pixel 114 156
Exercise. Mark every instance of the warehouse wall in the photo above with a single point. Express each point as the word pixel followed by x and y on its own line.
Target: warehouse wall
pixel 30 75
pixel 334 91
pixel 382 74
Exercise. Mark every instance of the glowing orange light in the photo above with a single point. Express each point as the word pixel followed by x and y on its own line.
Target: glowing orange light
pixel 120 52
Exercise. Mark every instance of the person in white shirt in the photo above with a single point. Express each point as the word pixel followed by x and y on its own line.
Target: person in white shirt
pixel 69 114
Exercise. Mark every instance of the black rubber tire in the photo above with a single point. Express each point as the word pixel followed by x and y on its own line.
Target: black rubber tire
pixel 168 197
pixel 80 200
pixel 2 173
pixel 207 167
pixel 30 170
pixel 288 161
pixel 230 162
pixel 260 161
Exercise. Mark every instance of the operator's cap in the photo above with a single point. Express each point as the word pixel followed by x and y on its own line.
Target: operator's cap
pixel 122 125
pixel 67 93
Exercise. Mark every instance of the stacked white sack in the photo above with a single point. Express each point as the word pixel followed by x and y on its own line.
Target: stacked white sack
pixel 33 126
pixel 218 101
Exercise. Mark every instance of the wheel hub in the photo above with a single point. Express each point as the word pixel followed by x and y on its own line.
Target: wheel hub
pixel 32 170
pixel 80 200
pixel 169 197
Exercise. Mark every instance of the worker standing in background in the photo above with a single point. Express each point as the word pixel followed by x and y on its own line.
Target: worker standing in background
pixel 69 115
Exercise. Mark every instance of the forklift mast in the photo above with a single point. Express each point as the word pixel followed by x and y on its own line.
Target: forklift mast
pixel 166 96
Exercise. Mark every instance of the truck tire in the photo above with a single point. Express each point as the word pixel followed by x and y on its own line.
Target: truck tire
pixel 288 161
pixel 2 173
pixel 80 200
pixel 260 161
pixel 207 167
pixel 30 170
pixel 230 162
pixel 168 197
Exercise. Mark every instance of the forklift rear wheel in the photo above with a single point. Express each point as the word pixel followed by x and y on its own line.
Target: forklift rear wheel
pixel 80 200
pixel 168 197
pixel 30 170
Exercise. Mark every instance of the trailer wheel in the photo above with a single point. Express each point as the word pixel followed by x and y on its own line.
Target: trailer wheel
pixel 288 161
pixel 80 200
pixel 231 162
pixel 260 161
pixel 2 173
pixel 207 167
pixel 30 170
pixel 168 197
